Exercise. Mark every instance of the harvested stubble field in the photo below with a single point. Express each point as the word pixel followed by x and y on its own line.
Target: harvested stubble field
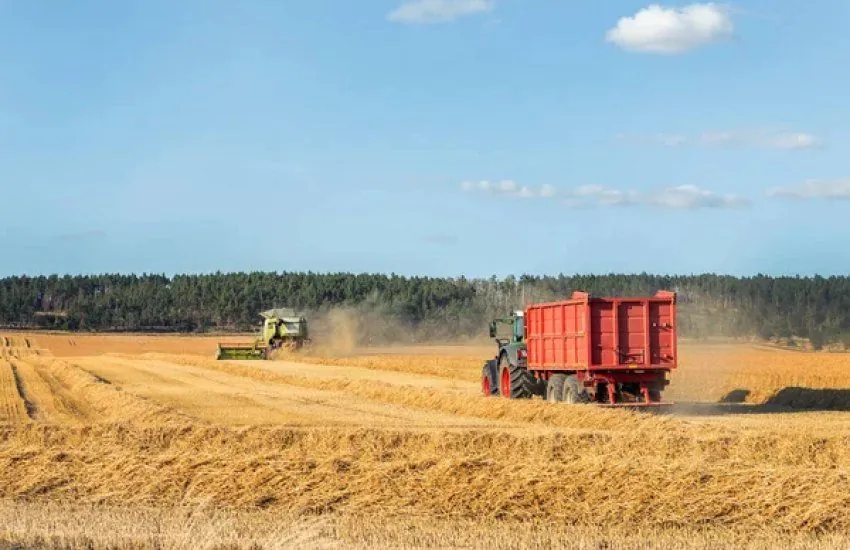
pixel 146 442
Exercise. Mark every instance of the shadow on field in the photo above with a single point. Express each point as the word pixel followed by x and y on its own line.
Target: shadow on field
pixel 787 400
pixel 736 396
pixel 812 400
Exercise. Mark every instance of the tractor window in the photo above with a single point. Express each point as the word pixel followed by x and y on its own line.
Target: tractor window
pixel 504 330
pixel 293 327
pixel 519 329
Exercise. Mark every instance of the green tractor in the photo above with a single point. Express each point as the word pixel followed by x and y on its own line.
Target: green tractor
pixel 281 328
pixel 506 373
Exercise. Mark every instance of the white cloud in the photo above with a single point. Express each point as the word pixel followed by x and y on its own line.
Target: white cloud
pixel 438 11
pixel 768 139
pixel 758 138
pixel 548 191
pixel 587 190
pixel 690 197
pixel 596 194
pixel 814 189
pixel 795 141
pixel 722 139
pixel 657 29
pixel 509 188
pixel 682 197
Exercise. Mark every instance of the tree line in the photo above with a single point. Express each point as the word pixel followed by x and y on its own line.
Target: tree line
pixel 815 308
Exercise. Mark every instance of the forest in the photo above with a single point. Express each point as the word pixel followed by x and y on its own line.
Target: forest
pixel 813 308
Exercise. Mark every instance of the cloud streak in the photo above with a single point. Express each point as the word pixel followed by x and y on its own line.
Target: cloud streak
pixel 764 139
pixel 682 197
pixel 509 188
pixel 814 189
pixel 419 12
pixel 671 31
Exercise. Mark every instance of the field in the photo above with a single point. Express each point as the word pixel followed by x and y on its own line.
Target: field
pixel 147 442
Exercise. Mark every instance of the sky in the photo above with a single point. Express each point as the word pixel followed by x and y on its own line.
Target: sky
pixel 424 137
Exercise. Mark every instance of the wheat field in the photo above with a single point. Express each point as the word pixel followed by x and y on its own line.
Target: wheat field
pixel 147 442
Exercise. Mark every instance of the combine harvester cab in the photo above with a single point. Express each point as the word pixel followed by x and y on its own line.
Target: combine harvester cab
pixel 613 351
pixel 281 328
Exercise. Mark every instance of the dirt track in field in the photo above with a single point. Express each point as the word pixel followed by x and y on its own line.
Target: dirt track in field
pixel 226 398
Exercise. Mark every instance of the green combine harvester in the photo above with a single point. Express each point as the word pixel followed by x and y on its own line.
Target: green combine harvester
pixel 281 328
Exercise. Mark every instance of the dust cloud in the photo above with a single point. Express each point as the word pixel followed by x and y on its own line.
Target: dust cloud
pixel 341 331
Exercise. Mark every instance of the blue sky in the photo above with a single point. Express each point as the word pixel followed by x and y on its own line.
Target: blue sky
pixel 438 137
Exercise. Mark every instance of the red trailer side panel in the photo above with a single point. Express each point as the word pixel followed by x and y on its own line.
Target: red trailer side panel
pixel 585 333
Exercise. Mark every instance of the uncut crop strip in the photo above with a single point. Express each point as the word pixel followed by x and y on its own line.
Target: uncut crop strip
pixel 12 406
pixel 759 376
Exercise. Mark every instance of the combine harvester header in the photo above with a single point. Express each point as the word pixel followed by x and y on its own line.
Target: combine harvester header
pixel 614 351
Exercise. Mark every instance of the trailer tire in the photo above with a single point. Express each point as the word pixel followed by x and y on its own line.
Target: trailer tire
pixel 555 388
pixel 574 393
pixel 490 379
pixel 515 382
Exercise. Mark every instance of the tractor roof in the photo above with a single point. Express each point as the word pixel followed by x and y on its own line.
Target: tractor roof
pixel 279 313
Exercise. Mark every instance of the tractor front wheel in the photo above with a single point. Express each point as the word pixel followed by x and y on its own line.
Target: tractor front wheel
pixel 489 381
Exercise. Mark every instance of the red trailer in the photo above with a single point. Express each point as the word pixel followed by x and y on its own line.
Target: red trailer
pixel 612 351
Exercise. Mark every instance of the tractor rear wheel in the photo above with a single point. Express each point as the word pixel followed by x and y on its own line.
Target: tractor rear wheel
pixel 515 382
pixel 555 388
pixel 574 393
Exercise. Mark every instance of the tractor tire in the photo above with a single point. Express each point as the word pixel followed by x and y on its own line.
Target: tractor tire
pixel 490 379
pixel 654 396
pixel 555 388
pixel 574 393
pixel 515 382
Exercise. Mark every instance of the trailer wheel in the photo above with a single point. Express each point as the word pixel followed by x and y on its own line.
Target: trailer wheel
pixel 555 388
pixel 515 382
pixel 654 396
pixel 489 382
pixel 573 391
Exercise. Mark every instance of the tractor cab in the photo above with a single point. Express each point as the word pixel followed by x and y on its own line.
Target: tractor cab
pixel 283 326
pixel 507 368
pixel 508 330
